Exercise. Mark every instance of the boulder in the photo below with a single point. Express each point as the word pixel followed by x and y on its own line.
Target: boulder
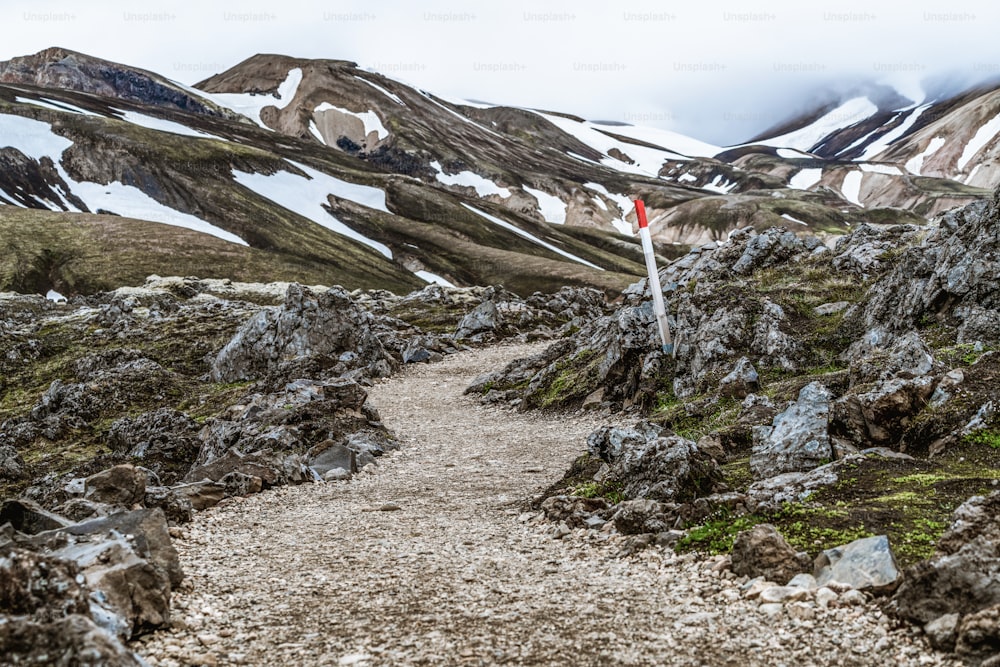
pixel 769 495
pixel 952 273
pixel 176 506
pixel 123 485
pixel 670 469
pixel 484 318
pixel 328 455
pixel 41 586
pixel 325 332
pixel 763 552
pixel 879 417
pixel 636 517
pixel 880 355
pixel 740 381
pixel 12 466
pixel 164 440
pixel 202 494
pixel 867 564
pixel 798 438
pixel 27 516
pixel 961 577
pixel 978 634
pixel 76 639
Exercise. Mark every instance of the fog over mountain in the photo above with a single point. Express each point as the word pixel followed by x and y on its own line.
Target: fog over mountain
pixel 722 72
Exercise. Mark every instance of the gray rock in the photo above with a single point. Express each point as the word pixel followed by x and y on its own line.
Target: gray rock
pixel 961 576
pixel 328 455
pixel 12 466
pixel 41 586
pixel 770 247
pixel 336 475
pixel 880 416
pixel 867 564
pixel 979 634
pixel 825 309
pixel 176 506
pixel 573 511
pixel 769 495
pixel 943 631
pixel 123 485
pixel 635 517
pixel 880 355
pixel 609 443
pixel 76 637
pixel 952 273
pixel 798 439
pixel 670 469
pixel 164 440
pixel 484 318
pixel 202 494
pixel 27 516
pixel 763 552
pixel 306 329
pixel 241 484
pixel 741 381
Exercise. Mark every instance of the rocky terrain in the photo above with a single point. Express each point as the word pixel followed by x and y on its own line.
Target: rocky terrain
pixel 820 452
pixel 254 467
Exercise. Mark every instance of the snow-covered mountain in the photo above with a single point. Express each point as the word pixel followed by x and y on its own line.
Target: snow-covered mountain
pixel 319 171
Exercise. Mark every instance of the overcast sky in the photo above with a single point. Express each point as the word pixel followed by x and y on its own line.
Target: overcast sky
pixel 719 71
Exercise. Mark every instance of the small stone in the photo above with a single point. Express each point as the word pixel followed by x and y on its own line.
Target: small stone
pixel 803 611
pixel 824 596
pixel 336 475
pixel 803 580
pixel 853 598
pixel 783 594
pixel 389 507
pixel 771 608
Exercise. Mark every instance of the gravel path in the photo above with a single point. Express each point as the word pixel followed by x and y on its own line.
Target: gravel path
pixel 429 559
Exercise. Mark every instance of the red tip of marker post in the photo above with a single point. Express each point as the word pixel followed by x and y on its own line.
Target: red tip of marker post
pixel 640 213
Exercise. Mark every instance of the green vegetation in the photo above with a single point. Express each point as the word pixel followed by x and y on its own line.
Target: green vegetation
pixel 613 492
pixel 987 436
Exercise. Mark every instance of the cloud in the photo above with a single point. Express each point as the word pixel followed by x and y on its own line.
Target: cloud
pixel 718 71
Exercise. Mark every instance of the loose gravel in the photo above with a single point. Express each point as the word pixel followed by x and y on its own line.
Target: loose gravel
pixel 430 558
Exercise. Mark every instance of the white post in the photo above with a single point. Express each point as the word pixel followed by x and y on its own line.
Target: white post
pixel 654 278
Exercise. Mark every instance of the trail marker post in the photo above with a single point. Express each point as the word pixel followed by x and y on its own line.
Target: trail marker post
pixel 654 278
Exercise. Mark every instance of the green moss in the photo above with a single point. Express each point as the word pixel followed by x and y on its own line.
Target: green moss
pixel 613 492
pixel 717 535
pixel 987 436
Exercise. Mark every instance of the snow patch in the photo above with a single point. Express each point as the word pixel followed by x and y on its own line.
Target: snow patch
pixel 647 161
pixel 805 179
pixel 483 186
pixel 804 139
pixel 916 163
pixel 315 132
pixel 551 207
pixel 624 204
pixel 881 169
pixel 307 195
pixel 687 178
pixel 433 278
pixel 673 142
pixel 795 220
pixel 983 136
pixel 791 154
pixel 370 119
pixel 55 106
pixel 852 187
pixel 720 185
pixel 391 96
pixel 534 239
pixel 889 137
pixel 250 105
pixel 32 137
pixel 161 125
